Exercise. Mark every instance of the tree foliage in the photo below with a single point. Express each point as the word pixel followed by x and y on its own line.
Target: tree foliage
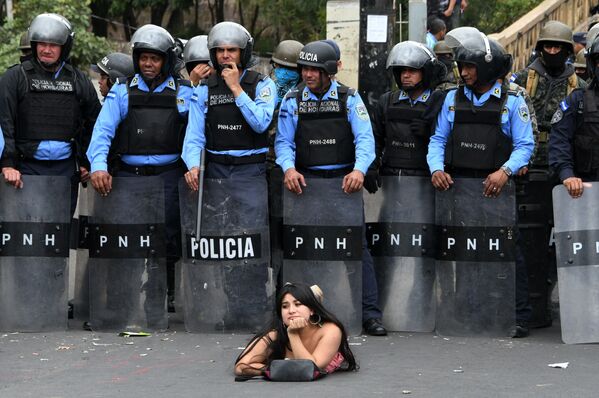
pixel 87 47
pixel 494 16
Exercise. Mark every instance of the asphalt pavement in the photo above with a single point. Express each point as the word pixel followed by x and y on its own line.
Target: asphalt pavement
pixel 78 363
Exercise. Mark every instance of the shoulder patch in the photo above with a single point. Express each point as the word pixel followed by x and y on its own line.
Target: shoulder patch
pixel 194 98
pixel 504 111
pixel 451 108
pixel 557 116
pixel 523 113
pixel 361 111
pixel 513 78
pixel 563 105
pixel 265 93
pixel 180 101
pixel 110 95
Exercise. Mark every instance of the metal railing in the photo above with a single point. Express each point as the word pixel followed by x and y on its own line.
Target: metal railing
pixel 520 37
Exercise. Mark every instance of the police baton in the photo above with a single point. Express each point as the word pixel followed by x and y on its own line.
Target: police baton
pixel 200 193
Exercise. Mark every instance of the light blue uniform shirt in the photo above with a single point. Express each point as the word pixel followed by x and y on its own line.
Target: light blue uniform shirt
pixel 1 142
pixel 357 115
pixel 257 113
pixel 515 123
pixel 53 150
pixel 431 40
pixel 114 111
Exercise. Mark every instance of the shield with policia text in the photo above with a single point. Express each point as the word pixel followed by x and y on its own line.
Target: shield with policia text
pixel 127 256
pixel 34 252
pixel 475 260
pixel 577 247
pixel 227 281
pixel 400 231
pixel 322 241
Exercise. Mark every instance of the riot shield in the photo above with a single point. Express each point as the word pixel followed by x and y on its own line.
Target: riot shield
pixel 322 241
pixel 400 232
pixel 34 251
pixel 475 260
pixel 275 212
pixel 127 256
pixel 227 282
pixel 577 246
pixel 79 242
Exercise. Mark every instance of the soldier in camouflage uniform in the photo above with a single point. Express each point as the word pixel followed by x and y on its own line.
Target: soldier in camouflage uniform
pixel 548 80
pixel 445 55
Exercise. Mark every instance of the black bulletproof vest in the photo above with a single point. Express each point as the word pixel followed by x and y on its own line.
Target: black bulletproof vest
pixel 153 125
pixel 476 141
pixel 586 138
pixel 49 110
pixel 226 128
pixel 403 149
pixel 324 135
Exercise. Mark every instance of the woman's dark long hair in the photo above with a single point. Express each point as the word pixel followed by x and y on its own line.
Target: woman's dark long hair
pixel 276 348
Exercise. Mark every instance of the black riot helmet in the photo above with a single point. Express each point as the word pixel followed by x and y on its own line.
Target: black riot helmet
pixel 51 28
pixel 318 54
pixel 154 39
pixel 196 51
pixel 474 47
pixel 411 54
pixel 230 34
pixel 592 56
pixel 116 66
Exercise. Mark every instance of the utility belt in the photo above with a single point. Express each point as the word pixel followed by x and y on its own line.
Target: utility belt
pixel 326 173
pixel 149 170
pixel 235 160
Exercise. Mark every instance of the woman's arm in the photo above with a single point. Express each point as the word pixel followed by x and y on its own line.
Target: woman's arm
pixel 253 359
pixel 325 350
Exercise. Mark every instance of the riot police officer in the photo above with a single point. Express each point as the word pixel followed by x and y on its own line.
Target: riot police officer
pixel 351 155
pixel 152 97
pixel 573 144
pixel 47 108
pixel 112 67
pixel 404 119
pixel 230 112
pixel 548 80
pixel 445 55
pixel 470 113
pixel 197 58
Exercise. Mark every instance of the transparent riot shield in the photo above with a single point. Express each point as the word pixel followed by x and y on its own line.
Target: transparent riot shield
pixel 34 252
pixel 226 278
pixel 127 256
pixel 577 246
pixel 475 260
pixel 400 231
pixel 322 241
pixel 79 242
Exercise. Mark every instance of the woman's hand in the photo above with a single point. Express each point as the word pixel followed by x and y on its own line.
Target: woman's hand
pixel 297 324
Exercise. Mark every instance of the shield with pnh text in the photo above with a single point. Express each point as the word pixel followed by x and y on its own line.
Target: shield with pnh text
pixel 34 253
pixel 475 260
pixel 127 256
pixel 322 241
pixel 577 249
pixel 400 230
pixel 226 278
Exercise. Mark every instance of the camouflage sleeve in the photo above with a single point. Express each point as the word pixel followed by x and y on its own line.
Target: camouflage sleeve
pixel 581 83
pixel 531 112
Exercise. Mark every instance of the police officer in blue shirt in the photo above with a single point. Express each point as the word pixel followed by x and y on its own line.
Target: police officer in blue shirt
pixel 404 119
pixel 230 111
pixel 471 113
pixel 152 98
pixel 574 138
pixel 47 108
pixel 347 124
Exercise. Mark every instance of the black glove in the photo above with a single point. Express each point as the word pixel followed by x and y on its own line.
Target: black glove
pixel 420 128
pixel 372 181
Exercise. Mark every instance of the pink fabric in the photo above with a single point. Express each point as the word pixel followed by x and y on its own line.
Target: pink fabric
pixel 335 363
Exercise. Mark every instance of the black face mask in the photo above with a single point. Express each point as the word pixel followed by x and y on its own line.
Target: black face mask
pixel 555 63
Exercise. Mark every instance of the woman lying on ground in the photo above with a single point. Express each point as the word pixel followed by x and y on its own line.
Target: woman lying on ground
pixel 301 329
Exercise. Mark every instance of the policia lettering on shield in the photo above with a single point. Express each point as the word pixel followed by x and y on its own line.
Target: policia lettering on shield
pixel 47 108
pixel 324 131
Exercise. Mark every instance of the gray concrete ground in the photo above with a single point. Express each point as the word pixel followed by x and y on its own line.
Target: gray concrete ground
pixel 77 363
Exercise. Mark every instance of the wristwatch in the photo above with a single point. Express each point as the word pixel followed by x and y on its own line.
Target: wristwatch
pixel 507 171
